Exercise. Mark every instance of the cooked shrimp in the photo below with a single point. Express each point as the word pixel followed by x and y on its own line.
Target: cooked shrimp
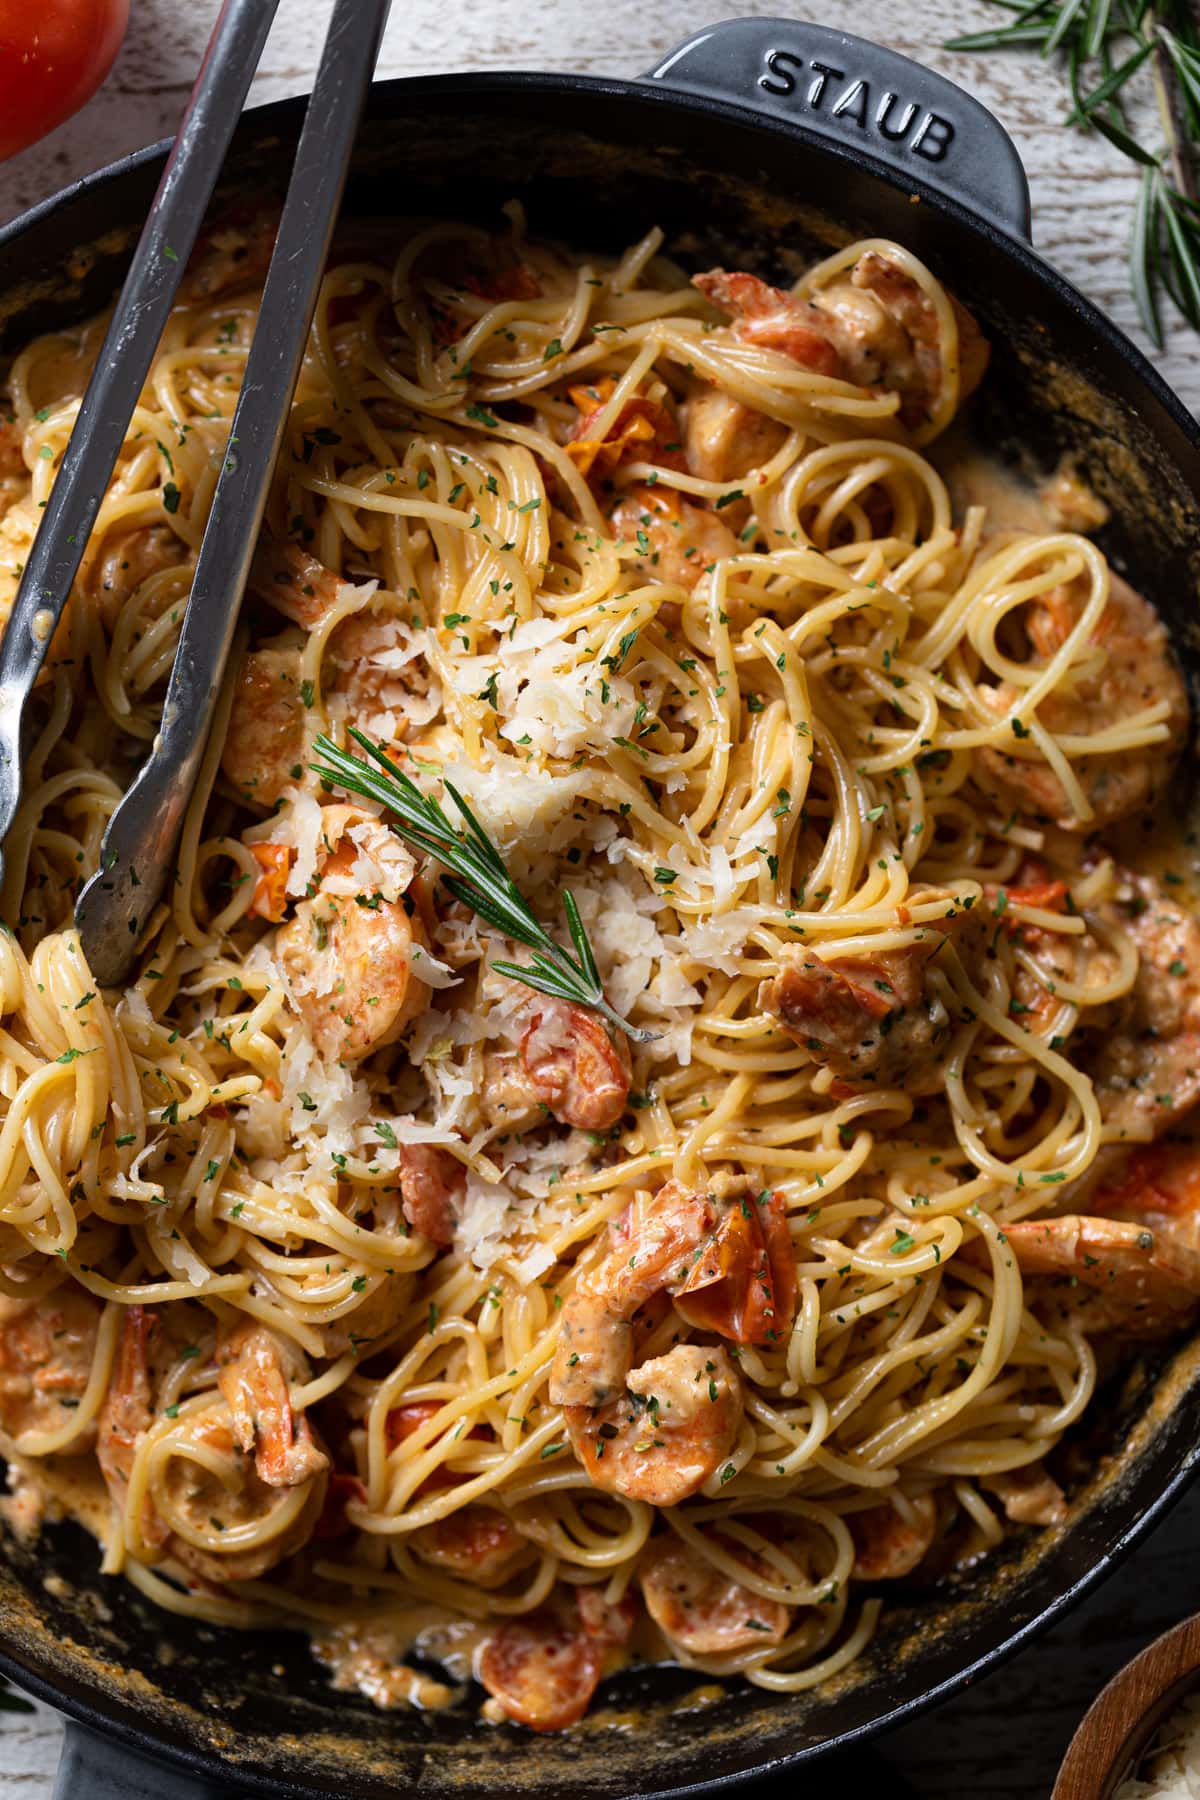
pixel 432 1185
pixel 1146 1065
pixel 917 375
pixel 146 1346
pixel 46 1351
pixel 671 1431
pixel 873 1018
pixel 879 329
pixel 659 1431
pixel 544 1668
pixel 725 438
pixel 595 1340
pixel 1029 1495
pixel 1118 1274
pixel 676 542
pixel 725 1258
pixel 889 1542
pixel 1158 1186
pixel 208 1485
pixel 575 1066
pixel 362 670
pixel 704 1611
pixel 266 740
pixel 128 1408
pixel 130 558
pixel 508 1099
pixel 257 1371
pixel 293 582
pixel 1143 1050
pixel 772 319
pixel 346 957
pixel 742 1284
pixel 1136 669
pixel 1048 959
pixel 479 1544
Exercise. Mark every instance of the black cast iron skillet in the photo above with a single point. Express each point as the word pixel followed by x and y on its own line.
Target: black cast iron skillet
pixel 760 143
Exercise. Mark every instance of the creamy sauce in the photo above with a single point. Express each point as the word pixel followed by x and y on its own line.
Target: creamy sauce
pixel 1059 502
pixel 52 1488
pixel 369 1655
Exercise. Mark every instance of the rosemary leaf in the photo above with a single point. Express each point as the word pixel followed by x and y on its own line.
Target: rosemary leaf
pixel 477 875
pixel 1186 64
pixel 1116 134
pixel 1097 27
pixel 1004 37
pixel 1105 45
pixel 579 937
pixel 1111 85
pixel 1142 255
pixel 1186 290
pixel 1068 15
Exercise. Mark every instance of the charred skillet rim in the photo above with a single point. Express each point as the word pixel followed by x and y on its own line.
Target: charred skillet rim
pixel 597 161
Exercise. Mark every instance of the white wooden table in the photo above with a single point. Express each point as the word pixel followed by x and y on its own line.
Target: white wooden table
pixel 1003 1740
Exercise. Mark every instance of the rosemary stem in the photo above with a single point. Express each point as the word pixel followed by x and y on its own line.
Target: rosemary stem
pixel 1170 111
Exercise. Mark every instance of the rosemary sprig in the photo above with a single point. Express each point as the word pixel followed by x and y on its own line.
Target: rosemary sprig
pixel 1105 44
pixel 478 876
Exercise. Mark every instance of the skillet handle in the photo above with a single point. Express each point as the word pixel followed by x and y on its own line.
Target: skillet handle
pixel 865 97
pixel 94 1768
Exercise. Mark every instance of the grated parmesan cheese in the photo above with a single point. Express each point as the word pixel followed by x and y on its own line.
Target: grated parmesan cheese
pixel 480 1231
pixel 388 689
pixel 717 942
pixel 560 713
pixel 342 1101
pixel 430 970
pixel 382 865
pixel 297 824
pixel 517 808
pixel 1170 1769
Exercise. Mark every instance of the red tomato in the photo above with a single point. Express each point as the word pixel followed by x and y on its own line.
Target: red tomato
pixel 53 56
pixel 744 1285
pixel 333 1522
pixel 270 890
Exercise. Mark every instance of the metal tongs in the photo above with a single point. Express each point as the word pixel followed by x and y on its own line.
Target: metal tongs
pixel 139 846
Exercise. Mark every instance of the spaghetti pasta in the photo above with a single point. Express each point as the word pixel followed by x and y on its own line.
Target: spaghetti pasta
pixel 388 1296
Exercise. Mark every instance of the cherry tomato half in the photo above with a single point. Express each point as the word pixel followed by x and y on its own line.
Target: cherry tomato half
pixel 53 56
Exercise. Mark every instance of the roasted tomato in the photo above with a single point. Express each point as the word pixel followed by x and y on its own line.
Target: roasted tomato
pixel 53 56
